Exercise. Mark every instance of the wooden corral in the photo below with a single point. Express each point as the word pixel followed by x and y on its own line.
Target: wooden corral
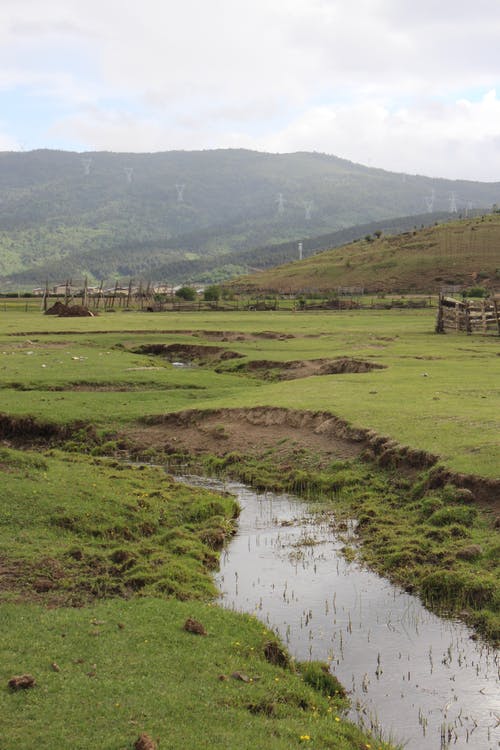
pixel 468 315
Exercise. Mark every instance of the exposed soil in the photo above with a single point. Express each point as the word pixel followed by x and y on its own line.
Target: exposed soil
pixel 22 682
pixel 287 432
pixel 145 742
pixel 248 431
pixel 36 582
pixel 189 353
pixel 26 430
pixel 193 626
pixel 69 311
pixel 238 336
pixel 215 335
pixel 86 387
pixel 254 432
pixel 293 369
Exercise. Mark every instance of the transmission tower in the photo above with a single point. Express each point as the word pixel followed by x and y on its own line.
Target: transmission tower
pixel 87 163
pixel 281 203
pixel 129 172
pixel 453 203
pixel 180 193
pixel 429 201
pixel 308 207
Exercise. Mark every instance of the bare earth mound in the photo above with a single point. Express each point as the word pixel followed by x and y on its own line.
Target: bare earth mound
pixel 189 353
pixel 237 336
pixel 292 370
pixel 69 311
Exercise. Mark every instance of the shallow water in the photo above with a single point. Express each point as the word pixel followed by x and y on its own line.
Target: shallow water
pixel 416 677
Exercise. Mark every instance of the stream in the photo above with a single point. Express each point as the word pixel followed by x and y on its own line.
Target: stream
pixel 413 677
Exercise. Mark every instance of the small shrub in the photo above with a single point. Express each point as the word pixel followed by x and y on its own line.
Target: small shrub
pixel 212 293
pixel 186 293
pixel 477 292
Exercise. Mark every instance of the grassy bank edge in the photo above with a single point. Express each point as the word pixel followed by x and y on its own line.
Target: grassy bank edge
pixel 123 663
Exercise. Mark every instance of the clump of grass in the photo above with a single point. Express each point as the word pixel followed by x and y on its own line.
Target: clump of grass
pixel 76 528
pixel 452 515
pixel 319 676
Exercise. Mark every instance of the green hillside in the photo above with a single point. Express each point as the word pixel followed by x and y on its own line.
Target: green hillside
pixel 464 253
pixel 175 215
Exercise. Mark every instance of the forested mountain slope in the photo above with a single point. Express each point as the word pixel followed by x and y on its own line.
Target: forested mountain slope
pixel 179 213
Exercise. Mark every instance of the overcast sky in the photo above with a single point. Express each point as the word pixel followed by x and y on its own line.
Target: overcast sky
pixel 407 85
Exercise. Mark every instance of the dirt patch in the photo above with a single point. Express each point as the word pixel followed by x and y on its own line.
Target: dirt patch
pixel 213 335
pixel 145 742
pixel 28 430
pixel 348 365
pixel 288 432
pixel 22 682
pixel 249 431
pixel 69 311
pixel 268 369
pixel 37 582
pixel 89 387
pixel 239 336
pixel 189 353
pixel 276 655
pixel 193 626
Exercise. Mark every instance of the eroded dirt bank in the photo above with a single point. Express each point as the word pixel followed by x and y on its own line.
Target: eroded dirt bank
pixel 304 368
pixel 255 431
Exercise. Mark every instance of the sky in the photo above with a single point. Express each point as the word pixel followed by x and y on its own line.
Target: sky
pixel 407 85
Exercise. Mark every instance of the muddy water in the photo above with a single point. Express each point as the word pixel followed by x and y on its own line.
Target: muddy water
pixel 415 677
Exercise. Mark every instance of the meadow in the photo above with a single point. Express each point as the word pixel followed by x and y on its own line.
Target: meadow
pixel 103 561
pixel 436 393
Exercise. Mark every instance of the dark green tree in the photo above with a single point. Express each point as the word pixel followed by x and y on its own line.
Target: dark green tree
pixel 212 293
pixel 186 293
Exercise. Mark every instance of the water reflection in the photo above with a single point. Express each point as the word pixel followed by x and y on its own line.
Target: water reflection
pixel 413 675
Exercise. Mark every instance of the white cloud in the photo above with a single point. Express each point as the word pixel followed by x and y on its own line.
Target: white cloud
pixel 456 140
pixel 376 81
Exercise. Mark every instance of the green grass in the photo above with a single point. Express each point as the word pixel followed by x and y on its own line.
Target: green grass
pixel 78 528
pixel 125 544
pixel 150 675
pixel 437 393
pixel 85 531
pixel 458 252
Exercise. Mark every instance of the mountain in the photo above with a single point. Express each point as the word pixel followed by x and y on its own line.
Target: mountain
pixel 461 253
pixel 176 215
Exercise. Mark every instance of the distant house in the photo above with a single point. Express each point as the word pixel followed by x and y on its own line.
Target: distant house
pixel 62 289
pixel 59 289
pixel 163 289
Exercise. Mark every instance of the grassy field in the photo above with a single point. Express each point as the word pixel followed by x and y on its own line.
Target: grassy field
pixel 110 540
pixel 103 562
pixel 460 252
pixel 438 393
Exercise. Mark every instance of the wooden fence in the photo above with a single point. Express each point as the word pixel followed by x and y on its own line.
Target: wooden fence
pixel 468 316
